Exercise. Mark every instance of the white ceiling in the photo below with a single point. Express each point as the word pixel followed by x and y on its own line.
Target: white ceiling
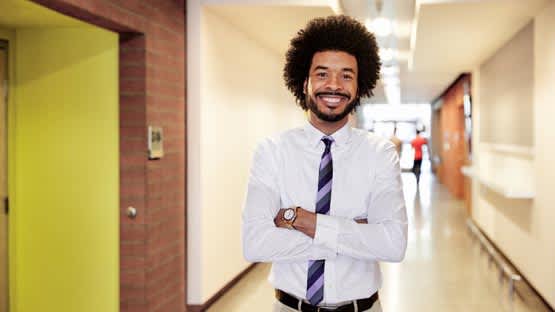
pixel 272 26
pixel 448 37
pixel 457 36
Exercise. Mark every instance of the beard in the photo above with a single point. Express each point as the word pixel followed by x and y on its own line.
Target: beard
pixel 313 107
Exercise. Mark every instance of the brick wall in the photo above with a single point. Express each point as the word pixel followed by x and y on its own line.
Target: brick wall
pixel 152 92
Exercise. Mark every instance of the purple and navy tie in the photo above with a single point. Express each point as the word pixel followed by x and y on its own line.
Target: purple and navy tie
pixel 315 284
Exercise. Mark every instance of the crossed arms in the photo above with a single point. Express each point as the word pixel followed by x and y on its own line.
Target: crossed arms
pixel 380 237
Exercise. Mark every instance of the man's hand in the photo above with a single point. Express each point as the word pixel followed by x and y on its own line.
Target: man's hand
pixel 305 221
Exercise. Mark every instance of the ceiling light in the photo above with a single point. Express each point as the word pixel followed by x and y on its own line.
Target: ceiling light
pixel 386 55
pixel 391 81
pixel 380 26
pixel 390 70
pixel 393 94
pixel 336 6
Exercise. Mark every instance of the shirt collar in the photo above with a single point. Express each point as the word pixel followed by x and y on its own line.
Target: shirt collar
pixel 314 136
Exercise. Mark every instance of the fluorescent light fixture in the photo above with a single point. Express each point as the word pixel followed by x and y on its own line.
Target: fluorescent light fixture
pixel 390 70
pixel 380 26
pixel 392 93
pixel 336 6
pixel 402 29
pixel 413 33
pixel 391 81
pixel 387 55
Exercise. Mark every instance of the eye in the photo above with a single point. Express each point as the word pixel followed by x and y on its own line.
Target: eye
pixel 321 75
pixel 347 77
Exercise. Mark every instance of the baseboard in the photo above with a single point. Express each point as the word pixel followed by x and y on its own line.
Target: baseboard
pixel 524 279
pixel 195 308
pixel 203 307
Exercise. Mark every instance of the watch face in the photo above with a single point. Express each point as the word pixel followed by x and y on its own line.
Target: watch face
pixel 289 214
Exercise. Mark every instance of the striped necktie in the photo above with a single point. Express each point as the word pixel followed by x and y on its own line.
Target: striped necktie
pixel 315 283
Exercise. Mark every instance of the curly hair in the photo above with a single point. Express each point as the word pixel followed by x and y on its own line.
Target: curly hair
pixel 332 33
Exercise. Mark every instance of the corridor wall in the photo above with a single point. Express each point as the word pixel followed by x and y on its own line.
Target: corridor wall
pixel 514 111
pixel 449 136
pixel 241 99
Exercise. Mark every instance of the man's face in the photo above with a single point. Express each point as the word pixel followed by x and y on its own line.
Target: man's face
pixel 331 87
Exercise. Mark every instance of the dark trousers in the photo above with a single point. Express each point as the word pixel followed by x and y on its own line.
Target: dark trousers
pixel 416 168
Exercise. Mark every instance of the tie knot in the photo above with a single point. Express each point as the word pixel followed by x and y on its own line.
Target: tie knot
pixel 327 140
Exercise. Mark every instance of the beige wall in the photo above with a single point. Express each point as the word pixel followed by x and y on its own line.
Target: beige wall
pixel 523 228
pixel 242 99
pixel 507 87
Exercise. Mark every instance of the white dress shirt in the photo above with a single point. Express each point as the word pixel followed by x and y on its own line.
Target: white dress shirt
pixel 366 184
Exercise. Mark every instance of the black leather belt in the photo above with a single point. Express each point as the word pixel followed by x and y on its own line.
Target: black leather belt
pixel 293 303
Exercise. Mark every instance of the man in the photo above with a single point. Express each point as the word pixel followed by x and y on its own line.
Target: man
pixel 417 143
pixel 396 141
pixel 324 202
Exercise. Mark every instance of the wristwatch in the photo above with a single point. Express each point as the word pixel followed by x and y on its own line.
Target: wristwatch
pixel 289 216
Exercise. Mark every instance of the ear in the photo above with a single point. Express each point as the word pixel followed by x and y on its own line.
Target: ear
pixel 305 84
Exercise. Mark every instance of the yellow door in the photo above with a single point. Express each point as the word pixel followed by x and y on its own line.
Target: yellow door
pixel 3 181
pixel 64 171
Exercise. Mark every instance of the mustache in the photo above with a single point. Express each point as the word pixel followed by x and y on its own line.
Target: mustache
pixel 333 93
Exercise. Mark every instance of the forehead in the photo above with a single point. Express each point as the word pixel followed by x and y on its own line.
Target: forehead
pixel 337 60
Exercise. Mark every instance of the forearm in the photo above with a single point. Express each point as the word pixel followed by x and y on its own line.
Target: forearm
pixel 264 242
pixel 305 221
pixel 383 240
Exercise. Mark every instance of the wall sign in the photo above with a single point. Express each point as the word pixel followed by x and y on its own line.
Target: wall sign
pixel 155 142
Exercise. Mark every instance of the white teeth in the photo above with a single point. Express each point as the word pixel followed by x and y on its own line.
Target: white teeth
pixel 331 99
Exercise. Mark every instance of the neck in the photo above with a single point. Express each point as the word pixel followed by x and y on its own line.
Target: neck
pixel 326 127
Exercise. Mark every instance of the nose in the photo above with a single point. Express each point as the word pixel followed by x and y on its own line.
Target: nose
pixel 333 83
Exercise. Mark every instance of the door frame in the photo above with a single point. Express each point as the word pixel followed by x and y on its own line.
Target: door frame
pixel 4 258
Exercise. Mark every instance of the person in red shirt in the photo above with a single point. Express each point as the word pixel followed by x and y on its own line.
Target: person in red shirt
pixel 417 143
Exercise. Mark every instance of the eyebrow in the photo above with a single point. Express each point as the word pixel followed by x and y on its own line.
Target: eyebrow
pixel 347 69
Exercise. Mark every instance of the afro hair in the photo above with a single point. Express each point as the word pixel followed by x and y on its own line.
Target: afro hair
pixel 332 33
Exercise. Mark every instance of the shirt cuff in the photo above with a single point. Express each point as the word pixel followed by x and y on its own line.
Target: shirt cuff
pixel 327 232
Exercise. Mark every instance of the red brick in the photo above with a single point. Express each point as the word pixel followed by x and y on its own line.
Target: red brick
pixel 133 263
pixel 132 85
pixel 159 59
pixel 159 274
pixel 133 42
pixel 132 71
pixel 133 132
pixel 133 233
pixel 133 57
pixel 130 294
pixel 132 159
pixel 163 74
pixel 134 188
pixel 161 32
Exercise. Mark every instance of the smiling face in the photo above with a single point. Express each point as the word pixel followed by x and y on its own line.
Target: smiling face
pixel 331 87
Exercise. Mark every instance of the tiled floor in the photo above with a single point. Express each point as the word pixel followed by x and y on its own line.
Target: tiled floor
pixel 443 269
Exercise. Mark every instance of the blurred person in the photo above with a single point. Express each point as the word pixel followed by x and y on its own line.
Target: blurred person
pixel 396 141
pixel 417 144
pixel 324 201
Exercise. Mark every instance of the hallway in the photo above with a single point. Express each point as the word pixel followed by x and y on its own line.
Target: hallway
pixel 443 269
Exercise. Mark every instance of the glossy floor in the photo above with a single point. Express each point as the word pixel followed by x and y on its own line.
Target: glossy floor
pixel 444 269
